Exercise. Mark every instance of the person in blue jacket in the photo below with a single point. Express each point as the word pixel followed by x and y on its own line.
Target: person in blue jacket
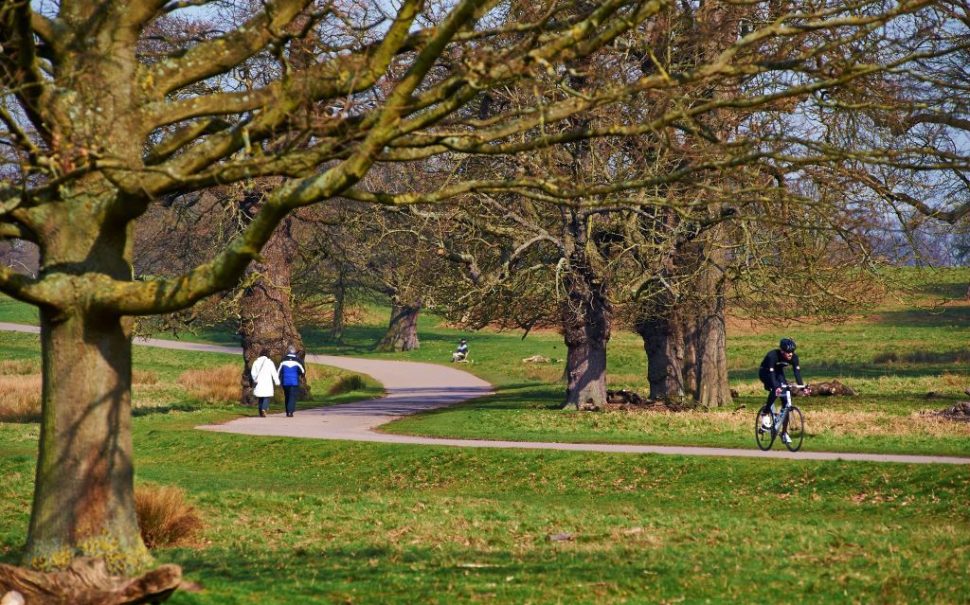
pixel 289 374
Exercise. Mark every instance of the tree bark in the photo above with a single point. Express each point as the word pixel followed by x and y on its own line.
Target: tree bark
pixel 663 343
pixel 402 332
pixel 84 492
pixel 708 377
pixel 585 368
pixel 686 346
pixel 87 582
pixel 587 318
pixel 339 296
pixel 266 309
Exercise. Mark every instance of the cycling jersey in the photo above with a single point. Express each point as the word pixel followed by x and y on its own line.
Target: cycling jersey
pixel 772 372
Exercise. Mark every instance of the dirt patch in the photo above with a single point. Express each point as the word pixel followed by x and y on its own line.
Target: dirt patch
pixel 631 401
pixel 829 389
pixel 959 412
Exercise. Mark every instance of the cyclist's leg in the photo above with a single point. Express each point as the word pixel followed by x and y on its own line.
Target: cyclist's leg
pixel 771 399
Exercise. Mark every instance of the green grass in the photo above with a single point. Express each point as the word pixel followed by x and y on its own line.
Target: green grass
pixel 290 521
pixel 302 521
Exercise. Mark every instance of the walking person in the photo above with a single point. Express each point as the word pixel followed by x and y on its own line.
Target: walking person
pixel 264 375
pixel 289 376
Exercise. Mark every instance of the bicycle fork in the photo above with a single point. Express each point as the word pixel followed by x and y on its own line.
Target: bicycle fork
pixel 783 412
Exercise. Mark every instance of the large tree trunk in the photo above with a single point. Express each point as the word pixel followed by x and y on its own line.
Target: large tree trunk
pixel 708 378
pixel 685 344
pixel 587 318
pixel 663 342
pixel 266 309
pixel 84 493
pixel 402 332
pixel 585 369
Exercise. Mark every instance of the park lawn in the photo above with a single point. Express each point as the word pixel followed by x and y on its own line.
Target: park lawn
pixel 890 414
pixel 303 521
pixel 893 355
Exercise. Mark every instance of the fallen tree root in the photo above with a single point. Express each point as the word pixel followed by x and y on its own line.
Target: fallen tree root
pixel 87 582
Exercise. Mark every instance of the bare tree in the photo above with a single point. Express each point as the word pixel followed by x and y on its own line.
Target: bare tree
pixel 102 121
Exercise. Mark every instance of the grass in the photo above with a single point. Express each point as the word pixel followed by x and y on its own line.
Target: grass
pixel 302 521
pixel 165 518
pixel 290 521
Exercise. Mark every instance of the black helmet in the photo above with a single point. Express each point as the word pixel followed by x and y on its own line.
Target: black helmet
pixel 787 345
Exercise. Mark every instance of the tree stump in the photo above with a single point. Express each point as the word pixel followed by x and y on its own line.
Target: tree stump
pixel 86 582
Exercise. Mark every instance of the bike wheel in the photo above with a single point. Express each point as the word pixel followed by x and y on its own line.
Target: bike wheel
pixel 796 429
pixel 764 437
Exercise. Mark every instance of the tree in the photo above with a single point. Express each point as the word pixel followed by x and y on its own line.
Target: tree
pixel 105 116
pixel 105 125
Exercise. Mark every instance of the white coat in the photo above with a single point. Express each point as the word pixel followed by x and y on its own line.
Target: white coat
pixel 264 374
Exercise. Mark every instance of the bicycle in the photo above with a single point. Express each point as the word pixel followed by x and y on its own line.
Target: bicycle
pixel 788 420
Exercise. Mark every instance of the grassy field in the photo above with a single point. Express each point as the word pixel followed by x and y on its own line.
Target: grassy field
pixel 291 521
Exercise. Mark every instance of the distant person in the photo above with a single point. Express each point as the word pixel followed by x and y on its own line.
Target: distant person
pixel 264 375
pixel 772 375
pixel 461 353
pixel 289 376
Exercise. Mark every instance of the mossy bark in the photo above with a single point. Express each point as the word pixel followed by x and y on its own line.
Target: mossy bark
pixel 585 371
pixel 84 492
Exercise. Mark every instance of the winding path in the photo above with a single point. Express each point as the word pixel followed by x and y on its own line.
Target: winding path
pixel 412 387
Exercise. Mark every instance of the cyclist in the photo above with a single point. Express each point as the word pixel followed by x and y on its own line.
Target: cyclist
pixel 772 375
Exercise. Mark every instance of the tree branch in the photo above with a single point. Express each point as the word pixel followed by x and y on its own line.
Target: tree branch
pixel 219 55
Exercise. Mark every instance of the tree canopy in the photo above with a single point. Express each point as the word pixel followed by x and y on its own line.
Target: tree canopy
pixel 109 108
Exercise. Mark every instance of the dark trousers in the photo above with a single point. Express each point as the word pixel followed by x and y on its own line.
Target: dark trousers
pixel 264 403
pixel 771 398
pixel 290 393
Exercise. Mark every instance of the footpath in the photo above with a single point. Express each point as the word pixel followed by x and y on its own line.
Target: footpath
pixel 412 387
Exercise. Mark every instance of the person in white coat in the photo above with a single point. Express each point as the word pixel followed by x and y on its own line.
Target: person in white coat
pixel 264 375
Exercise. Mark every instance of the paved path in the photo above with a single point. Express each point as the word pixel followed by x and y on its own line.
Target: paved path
pixel 415 387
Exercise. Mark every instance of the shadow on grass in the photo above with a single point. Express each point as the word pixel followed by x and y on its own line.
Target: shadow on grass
pixel 10 554
pixel 164 409
pixel 957 316
pixel 392 575
pixel 524 396
pixel 948 290
pixel 828 371
pixel 922 356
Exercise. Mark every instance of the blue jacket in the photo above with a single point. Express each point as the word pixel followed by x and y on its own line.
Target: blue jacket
pixel 290 371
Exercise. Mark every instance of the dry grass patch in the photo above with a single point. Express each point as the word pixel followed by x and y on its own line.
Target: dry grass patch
pixel 144 378
pixel 219 384
pixel 165 518
pixel 316 374
pixel 543 373
pixel 19 367
pixel 955 381
pixel 346 384
pixel 19 398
